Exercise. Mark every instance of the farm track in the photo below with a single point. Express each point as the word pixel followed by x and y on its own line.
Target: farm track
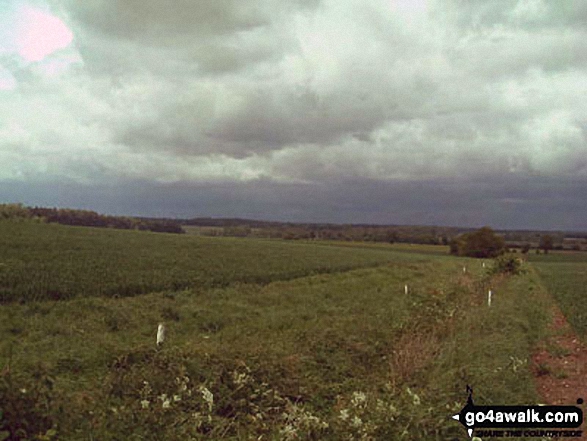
pixel 560 361
pixel 560 364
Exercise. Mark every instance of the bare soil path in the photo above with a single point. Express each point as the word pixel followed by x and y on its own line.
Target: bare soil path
pixel 560 366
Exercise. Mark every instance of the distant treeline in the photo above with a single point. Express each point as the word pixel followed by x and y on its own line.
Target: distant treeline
pixel 236 227
pixel 87 218
pixel 439 235
pixel 307 231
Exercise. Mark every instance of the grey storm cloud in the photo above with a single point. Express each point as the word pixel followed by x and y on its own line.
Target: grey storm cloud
pixel 335 99
pixel 522 203
pixel 200 37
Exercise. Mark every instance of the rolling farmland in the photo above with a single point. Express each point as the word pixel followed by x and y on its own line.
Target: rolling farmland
pixel 265 339
pixel 40 261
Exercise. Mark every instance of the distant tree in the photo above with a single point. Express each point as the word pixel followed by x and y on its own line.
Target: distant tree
pixel 525 248
pixel 14 211
pixel 546 243
pixel 482 243
pixel 455 245
pixel 390 236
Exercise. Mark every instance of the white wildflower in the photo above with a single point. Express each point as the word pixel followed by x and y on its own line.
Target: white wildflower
pixel 166 404
pixel 344 414
pixel 357 422
pixel 415 397
pixel 146 388
pixel 182 383
pixel 208 397
pixel 239 378
pixel 288 432
pixel 176 398
pixel 145 404
pixel 359 399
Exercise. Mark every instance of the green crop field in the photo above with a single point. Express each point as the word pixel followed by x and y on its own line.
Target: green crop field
pixel 565 276
pixel 265 339
pixel 41 261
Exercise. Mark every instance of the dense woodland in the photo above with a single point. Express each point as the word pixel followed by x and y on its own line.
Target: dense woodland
pixel 86 218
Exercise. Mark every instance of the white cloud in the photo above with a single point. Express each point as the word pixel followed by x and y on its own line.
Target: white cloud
pixel 7 80
pixel 304 92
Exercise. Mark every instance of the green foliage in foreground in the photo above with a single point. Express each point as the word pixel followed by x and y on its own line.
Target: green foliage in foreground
pixel 492 346
pixel 508 264
pixel 331 356
pixel 47 261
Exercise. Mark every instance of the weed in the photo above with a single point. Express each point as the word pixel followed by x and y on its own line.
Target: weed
pixel 29 406
pixel 508 264
pixel 558 351
pixel 543 369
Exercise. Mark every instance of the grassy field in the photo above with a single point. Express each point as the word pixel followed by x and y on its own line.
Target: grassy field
pixel 439 250
pixel 565 276
pixel 48 261
pixel 265 339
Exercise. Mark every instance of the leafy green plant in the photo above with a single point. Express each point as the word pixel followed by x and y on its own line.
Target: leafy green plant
pixel 508 264
pixel 28 406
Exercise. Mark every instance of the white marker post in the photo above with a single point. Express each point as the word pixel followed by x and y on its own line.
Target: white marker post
pixel 464 270
pixel 483 264
pixel 489 298
pixel 406 289
pixel 160 334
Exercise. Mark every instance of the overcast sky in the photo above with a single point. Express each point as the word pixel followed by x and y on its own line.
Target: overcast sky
pixel 463 112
